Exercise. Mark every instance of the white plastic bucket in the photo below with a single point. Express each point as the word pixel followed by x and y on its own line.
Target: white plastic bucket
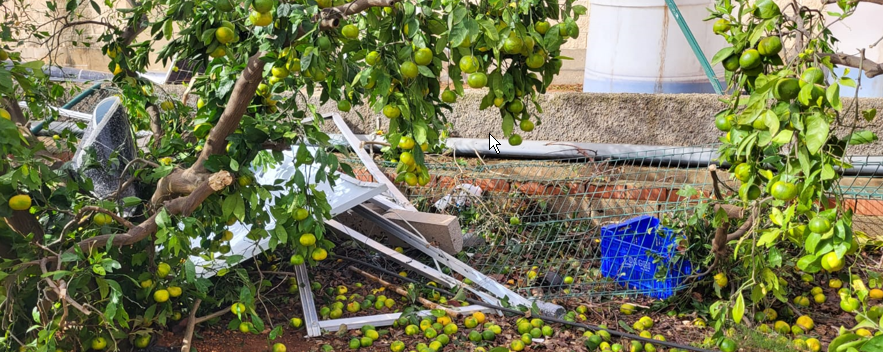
pixel 636 46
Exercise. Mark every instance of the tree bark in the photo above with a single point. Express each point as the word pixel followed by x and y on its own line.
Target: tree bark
pixel 871 68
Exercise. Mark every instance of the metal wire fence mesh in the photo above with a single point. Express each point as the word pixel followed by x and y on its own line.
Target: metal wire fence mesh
pixel 536 225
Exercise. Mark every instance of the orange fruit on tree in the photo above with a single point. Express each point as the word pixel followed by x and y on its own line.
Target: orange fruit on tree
pixel 819 224
pixel 20 202
pixel 731 63
pixel 350 31
pixel 535 61
pixel 423 56
pixel 260 19
pixel 542 27
pixel 769 46
pixel 372 58
pixel 224 35
pixel 721 26
pixel 220 51
pixel 409 69
pixel 514 139
pixel 468 64
pixel 5 114
pixel 477 80
pixel 319 254
pixel 449 96
pixel 750 59
pixel 832 263
pixel 391 111
pixel 784 190
pixel 526 125
pixel 263 6
pixel 307 239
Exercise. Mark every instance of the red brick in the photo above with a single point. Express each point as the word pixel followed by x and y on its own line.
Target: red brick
pixel 490 185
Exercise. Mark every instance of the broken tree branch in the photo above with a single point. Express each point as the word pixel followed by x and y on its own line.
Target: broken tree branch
pixel 872 69
pixel 330 17
pixel 425 302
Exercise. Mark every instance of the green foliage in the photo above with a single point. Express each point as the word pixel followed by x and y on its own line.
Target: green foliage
pixel 780 126
pixel 300 58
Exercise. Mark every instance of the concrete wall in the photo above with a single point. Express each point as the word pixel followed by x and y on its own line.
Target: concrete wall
pixel 646 119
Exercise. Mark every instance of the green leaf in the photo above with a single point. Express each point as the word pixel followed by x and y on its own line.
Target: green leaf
pixel 768 237
pixel 489 29
pixel 508 124
pixel 869 114
pixel 809 263
pixel 131 201
pixel 841 340
pixel 805 95
pixel 190 271
pixel 862 137
pixel 783 137
pixel 721 55
pixel 771 120
pixel 812 241
pixel 828 172
pixel 276 333
pixel 833 95
pixel 739 308
pixel 817 129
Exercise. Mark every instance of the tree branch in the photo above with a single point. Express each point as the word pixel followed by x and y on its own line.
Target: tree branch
pixel 179 206
pixel 15 113
pixel 243 91
pixel 878 2
pixel 872 69
pixel 78 23
pixel 330 17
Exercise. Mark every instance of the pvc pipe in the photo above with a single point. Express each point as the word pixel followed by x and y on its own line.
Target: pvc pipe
pixel 645 155
pixel 76 100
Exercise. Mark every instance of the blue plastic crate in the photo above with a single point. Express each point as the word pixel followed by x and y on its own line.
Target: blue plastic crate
pixel 633 252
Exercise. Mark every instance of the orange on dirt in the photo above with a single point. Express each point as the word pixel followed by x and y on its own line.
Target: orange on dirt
pixel 142 341
pixel 728 345
pixel 423 56
pixel 20 202
pixel 750 59
pixel 477 80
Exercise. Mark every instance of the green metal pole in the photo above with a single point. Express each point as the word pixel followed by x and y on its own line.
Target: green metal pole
pixel 76 100
pixel 676 13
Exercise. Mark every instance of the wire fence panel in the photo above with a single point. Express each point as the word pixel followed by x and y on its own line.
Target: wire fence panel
pixel 537 225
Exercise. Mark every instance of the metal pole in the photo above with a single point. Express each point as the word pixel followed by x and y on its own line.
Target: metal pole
pixel 76 100
pixel 688 34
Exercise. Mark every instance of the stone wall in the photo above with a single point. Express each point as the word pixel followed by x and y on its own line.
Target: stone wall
pixel 645 119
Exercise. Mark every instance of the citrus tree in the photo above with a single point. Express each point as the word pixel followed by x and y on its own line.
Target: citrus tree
pixel 787 134
pixel 77 274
